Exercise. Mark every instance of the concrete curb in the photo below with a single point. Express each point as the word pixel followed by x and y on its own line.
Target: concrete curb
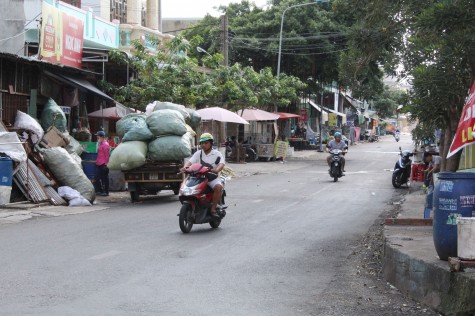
pixel 411 264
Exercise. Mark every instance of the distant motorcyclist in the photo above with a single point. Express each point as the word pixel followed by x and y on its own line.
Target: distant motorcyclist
pixel 337 143
pixel 213 159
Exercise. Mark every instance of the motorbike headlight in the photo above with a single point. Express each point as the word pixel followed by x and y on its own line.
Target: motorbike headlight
pixel 189 191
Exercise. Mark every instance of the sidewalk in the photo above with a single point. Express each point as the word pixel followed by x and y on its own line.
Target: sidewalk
pixel 410 263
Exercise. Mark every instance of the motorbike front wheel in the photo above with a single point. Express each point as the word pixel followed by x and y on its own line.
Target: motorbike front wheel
pixel 334 174
pixel 215 223
pixel 184 219
pixel 396 180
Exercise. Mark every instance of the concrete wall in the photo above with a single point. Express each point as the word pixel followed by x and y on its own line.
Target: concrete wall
pixel 12 38
pixel 170 25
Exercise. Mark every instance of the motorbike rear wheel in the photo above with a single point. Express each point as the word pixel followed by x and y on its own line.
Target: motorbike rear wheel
pixel 396 180
pixel 184 218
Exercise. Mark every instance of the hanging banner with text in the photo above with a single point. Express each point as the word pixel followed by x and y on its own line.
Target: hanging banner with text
pixel 61 38
pixel 463 136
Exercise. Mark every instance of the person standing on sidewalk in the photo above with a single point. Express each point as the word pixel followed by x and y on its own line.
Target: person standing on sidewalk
pixel 101 180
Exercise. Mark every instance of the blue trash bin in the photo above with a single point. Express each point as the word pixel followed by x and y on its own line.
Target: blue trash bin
pixel 453 197
pixel 6 177
pixel 89 164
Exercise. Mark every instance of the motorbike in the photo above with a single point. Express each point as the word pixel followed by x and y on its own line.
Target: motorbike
pixel 196 196
pixel 397 137
pixel 229 144
pixel 402 169
pixel 335 166
pixel 251 154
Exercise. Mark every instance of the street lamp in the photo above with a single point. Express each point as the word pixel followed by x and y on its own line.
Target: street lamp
pixel 202 50
pixel 282 27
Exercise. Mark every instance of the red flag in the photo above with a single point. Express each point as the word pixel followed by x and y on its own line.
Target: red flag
pixel 463 136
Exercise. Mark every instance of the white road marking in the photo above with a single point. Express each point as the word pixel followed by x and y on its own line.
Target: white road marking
pixel 257 201
pixel 284 190
pixel 105 255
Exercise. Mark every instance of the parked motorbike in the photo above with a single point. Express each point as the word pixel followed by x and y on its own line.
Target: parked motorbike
pixel 251 154
pixel 229 144
pixel 335 167
pixel 402 169
pixel 196 197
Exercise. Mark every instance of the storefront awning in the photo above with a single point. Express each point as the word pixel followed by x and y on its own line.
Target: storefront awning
pixel 319 109
pixel 336 112
pixel 81 84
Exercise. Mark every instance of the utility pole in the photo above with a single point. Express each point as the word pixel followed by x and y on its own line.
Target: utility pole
pixel 224 39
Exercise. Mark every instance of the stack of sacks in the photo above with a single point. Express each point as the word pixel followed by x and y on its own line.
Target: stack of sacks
pixel 162 135
pixel 132 151
pixel 173 142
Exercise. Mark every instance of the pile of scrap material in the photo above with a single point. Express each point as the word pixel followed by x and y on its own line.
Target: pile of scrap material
pixel 164 133
pixel 44 161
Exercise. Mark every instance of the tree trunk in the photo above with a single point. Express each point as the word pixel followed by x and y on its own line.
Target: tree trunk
pixel 451 164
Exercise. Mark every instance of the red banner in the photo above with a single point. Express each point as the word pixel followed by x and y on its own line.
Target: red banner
pixel 61 37
pixel 463 136
pixel 73 29
pixel 303 115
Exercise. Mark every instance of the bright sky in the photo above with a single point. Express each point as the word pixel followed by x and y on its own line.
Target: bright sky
pixel 196 8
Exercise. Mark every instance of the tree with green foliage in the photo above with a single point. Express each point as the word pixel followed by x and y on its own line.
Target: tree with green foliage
pixel 433 41
pixel 170 75
pixel 386 103
pixel 312 38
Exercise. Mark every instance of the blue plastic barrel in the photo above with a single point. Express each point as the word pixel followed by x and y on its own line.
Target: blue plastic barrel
pixel 89 164
pixel 6 171
pixel 454 195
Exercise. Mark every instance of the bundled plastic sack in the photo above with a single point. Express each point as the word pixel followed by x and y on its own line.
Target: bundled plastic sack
pixel 74 146
pixel 128 155
pixel 171 106
pixel 10 145
pixel 195 118
pixel 25 121
pixel 68 172
pixel 170 148
pixel 73 196
pixel 133 127
pixel 53 115
pixel 166 122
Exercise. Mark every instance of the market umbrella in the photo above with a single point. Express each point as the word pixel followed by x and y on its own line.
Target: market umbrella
pixel 253 114
pixel 283 115
pixel 220 114
pixel 112 113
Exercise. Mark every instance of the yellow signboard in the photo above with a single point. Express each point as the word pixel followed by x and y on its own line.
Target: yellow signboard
pixel 280 149
pixel 331 119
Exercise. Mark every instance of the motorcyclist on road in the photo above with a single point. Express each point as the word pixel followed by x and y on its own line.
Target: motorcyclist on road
pixel 337 143
pixel 212 158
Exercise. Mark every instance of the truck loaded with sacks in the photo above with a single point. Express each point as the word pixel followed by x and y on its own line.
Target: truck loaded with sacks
pixel 153 147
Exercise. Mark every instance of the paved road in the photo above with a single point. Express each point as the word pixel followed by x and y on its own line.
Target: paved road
pixel 286 232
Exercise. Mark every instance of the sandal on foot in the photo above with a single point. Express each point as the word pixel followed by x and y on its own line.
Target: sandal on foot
pixel 215 215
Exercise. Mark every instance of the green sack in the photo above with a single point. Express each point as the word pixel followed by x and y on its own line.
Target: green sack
pixel 172 106
pixel 128 155
pixel 195 118
pixel 166 122
pixel 68 172
pixel 170 148
pixel 51 115
pixel 133 127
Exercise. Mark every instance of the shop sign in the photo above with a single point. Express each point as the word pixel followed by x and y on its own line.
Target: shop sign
pixel 464 135
pixel 62 35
